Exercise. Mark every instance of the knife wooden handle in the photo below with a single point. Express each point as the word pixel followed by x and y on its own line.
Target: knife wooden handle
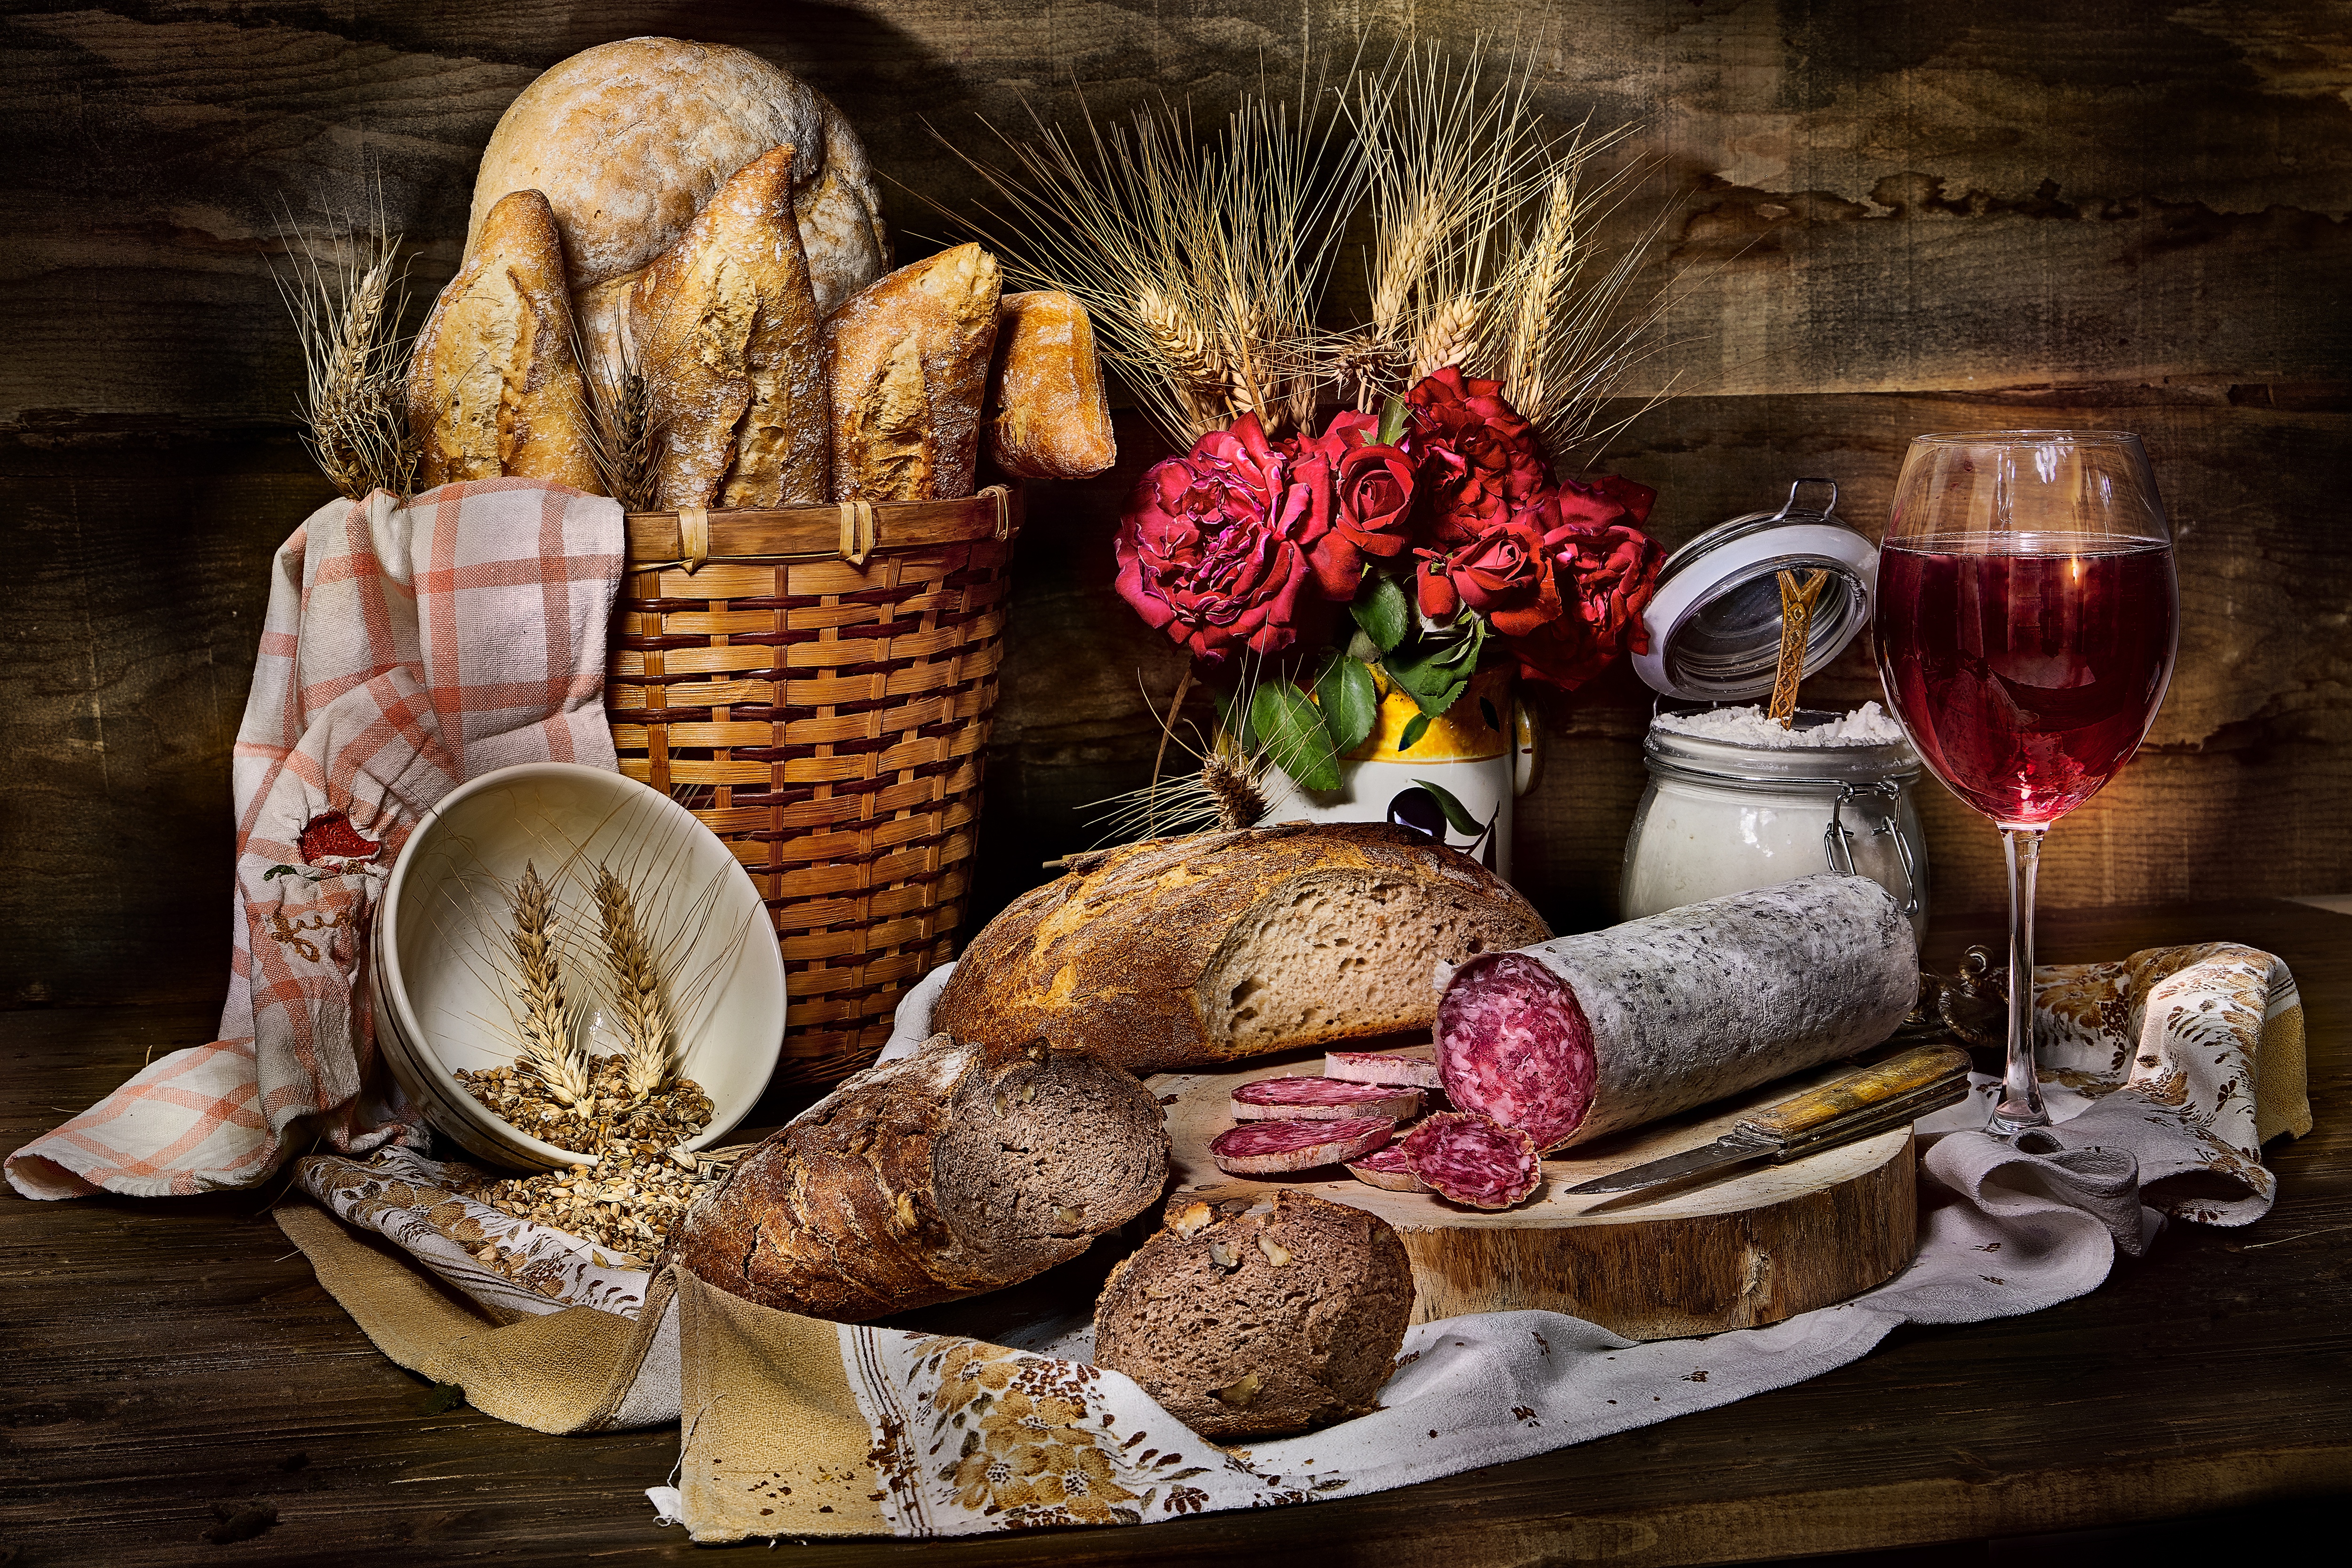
pixel 1907 1072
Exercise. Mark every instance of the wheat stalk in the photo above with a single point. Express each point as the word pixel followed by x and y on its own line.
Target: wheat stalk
pixel 622 441
pixel 548 1049
pixel 346 316
pixel 1545 265
pixel 636 988
pixel 1450 338
pixel 1190 361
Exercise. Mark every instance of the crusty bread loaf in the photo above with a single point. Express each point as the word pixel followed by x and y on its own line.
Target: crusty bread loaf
pixel 1187 952
pixel 493 387
pixel 1049 416
pixel 727 336
pixel 631 140
pixel 954 1171
pixel 910 356
pixel 1282 1318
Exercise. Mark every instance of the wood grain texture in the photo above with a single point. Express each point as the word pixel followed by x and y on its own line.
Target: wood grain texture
pixel 1739 1252
pixel 165 1356
pixel 1886 219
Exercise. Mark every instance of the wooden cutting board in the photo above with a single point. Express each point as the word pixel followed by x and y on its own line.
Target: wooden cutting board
pixel 1760 1245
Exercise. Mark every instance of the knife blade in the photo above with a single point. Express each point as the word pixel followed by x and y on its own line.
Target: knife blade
pixel 1886 1095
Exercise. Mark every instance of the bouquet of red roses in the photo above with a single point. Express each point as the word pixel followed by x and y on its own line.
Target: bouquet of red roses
pixel 1439 526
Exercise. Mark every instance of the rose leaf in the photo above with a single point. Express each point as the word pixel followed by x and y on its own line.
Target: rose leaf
pixel 1414 728
pixel 1382 611
pixel 1291 729
pixel 1350 702
pixel 1392 421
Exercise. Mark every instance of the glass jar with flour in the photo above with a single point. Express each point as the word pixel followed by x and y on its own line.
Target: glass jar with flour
pixel 1737 799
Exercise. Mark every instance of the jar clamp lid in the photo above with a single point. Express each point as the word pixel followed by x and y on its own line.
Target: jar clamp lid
pixel 1715 622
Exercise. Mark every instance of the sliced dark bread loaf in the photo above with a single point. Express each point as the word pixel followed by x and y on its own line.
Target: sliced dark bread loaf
pixel 957 1170
pixel 1190 951
pixel 1283 1317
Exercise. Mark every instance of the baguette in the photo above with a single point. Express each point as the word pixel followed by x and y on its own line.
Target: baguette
pixel 1049 417
pixel 910 359
pixel 1192 951
pixel 494 390
pixel 727 335
pixel 954 1171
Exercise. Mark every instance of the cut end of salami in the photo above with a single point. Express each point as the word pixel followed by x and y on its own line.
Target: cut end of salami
pixel 1382 1067
pixel 1387 1168
pixel 1322 1099
pixel 1514 1043
pixel 1473 1160
pixel 1271 1148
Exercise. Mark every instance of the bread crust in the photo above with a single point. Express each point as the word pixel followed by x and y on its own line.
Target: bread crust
pixel 631 140
pixel 1286 1317
pixel 1115 957
pixel 919 1181
pixel 494 389
pixel 727 336
pixel 910 356
pixel 1048 415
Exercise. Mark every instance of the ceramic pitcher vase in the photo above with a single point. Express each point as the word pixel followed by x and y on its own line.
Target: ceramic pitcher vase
pixel 1481 750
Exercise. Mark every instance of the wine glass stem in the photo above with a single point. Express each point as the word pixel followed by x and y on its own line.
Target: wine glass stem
pixel 2021 1090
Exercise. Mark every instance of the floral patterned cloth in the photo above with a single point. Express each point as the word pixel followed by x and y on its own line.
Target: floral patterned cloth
pixel 2164 1071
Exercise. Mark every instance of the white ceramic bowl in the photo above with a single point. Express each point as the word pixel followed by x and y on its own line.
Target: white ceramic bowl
pixel 440 978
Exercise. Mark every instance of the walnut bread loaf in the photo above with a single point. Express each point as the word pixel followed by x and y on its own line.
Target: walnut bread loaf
pixel 1191 951
pixel 957 1170
pixel 1283 1317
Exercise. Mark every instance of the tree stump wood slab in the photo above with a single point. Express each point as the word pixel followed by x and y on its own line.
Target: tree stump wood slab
pixel 1760 1244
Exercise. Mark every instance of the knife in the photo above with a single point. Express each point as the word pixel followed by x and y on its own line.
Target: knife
pixel 1900 1090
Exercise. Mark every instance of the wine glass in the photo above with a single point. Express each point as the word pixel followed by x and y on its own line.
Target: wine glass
pixel 2027 617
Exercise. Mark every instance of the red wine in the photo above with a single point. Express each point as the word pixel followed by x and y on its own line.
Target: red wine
pixel 2026 680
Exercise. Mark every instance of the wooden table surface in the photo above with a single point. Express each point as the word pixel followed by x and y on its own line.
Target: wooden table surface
pixel 161 1358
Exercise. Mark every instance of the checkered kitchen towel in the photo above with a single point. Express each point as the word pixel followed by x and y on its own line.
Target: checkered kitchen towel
pixel 407 649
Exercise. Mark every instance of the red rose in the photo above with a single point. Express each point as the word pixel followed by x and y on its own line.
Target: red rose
pixel 1634 500
pixel 1479 461
pixel 1507 575
pixel 1214 545
pixel 1371 488
pixel 1607 576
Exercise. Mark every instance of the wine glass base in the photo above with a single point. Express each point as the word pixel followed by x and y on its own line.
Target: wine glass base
pixel 2025 1137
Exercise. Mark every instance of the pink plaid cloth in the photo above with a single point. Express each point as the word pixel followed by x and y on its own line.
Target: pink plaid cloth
pixel 407 650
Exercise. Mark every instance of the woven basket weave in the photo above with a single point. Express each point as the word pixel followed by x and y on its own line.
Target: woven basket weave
pixel 817 684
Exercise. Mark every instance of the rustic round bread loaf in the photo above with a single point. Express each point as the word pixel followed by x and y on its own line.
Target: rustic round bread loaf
pixel 957 1170
pixel 1188 952
pixel 1285 1316
pixel 630 140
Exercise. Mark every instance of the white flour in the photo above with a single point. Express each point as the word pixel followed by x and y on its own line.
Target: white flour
pixel 1868 725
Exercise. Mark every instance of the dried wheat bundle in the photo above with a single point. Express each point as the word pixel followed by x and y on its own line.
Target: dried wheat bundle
pixel 1201 260
pixel 630 957
pixel 549 1049
pixel 347 313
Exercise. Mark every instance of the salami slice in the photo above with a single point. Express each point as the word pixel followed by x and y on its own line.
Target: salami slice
pixel 1472 1158
pixel 1382 1067
pixel 1386 1167
pixel 1585 1034
pixel 1321 1100
pixel 1269 1148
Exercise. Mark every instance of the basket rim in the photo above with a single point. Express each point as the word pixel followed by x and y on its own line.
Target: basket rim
pixel 848 530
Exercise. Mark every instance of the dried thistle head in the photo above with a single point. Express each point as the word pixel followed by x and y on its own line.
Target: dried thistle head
pixel 549 1051
pixel 635 975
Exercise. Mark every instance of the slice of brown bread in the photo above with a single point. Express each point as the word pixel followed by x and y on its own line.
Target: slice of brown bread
pixel 1283 1317
pixel 1188 952
pixel 954 1171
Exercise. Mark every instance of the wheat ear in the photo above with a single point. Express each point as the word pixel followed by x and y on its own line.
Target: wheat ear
pixel 636 988
pixel 1451 338
pixel 621 438
pixel 548 1049
pixel 346 318
pixel 1546 267
pixel 1405 254
pixel 1193 364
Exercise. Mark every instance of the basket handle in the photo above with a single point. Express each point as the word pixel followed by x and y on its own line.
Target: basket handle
pixel 861 531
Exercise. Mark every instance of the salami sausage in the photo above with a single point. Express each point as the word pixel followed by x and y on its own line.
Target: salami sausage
pixel 1472 1158
pixel 1269 1148
pixel 1382 1067
pixel 1386 1167
pixel 1322 1099
pixel 1585 1034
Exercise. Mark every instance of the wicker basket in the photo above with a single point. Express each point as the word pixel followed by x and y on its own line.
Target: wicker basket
pixel 815 684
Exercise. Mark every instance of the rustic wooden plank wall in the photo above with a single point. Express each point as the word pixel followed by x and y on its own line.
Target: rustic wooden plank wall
pixel 1888 218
